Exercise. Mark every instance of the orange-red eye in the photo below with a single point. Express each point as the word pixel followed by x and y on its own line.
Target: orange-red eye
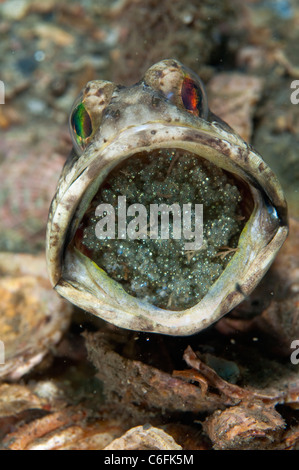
pixel 191 96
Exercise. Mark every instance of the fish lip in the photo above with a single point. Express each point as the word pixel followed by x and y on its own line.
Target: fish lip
pixel 234 153
pixel 209 129
pixel 128 315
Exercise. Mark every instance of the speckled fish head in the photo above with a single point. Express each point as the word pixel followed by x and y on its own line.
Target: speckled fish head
pixel 161 127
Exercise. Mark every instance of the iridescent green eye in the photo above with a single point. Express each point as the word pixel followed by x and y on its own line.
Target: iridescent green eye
pixel 81 124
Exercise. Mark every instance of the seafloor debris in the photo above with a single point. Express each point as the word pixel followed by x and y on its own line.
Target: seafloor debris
pixel 240 382
pixel 145 437
pixel 32 317
pixel 245 427
pixel 232 386
pixel 272 310
pixel 28 177
pixel 271 52
pixel 139 386
pixel 244 415
pixel 158 272
pixel 233 98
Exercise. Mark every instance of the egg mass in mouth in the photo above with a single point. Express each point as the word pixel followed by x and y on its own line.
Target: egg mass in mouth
pixel 161 271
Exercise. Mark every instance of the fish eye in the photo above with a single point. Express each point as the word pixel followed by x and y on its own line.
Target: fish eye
pixel 192 96
pixel 179 85
pixel 81 125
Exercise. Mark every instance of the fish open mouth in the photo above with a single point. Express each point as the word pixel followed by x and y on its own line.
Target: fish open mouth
pixel 147 282
pixel 144 229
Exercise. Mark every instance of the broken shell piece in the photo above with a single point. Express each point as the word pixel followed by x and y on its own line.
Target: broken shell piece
pixel 153 142
pixel 245 427
pixel 145 437
pixel 33 319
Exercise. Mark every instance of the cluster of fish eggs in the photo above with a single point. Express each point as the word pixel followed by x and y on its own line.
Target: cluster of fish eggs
pixel 161 271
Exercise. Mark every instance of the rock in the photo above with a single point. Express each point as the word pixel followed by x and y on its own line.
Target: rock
pixel 33 318
pixel 233 97
pixel 145 437
pixel 49 32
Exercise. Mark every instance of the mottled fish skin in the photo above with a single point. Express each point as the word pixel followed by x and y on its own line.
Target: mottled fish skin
pixel 167 109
